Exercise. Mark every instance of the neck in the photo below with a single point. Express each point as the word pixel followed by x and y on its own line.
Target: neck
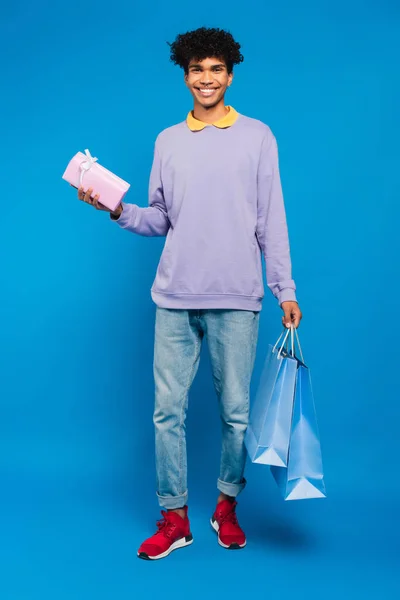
pixel 210 115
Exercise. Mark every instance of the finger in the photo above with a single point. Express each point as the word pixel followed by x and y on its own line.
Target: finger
pixel 98 204
pixel 102 207
pixel 81 193
pixel 96 201
pixel 88 196
pixel 297 316
pixel 287 319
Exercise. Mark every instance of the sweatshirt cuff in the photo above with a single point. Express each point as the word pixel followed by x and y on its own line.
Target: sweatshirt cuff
pixel 287 295
pixel 126 216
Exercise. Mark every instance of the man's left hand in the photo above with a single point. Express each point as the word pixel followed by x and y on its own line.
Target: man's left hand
pixel 292 314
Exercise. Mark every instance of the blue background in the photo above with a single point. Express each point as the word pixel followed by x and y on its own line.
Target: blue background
pixel 77 470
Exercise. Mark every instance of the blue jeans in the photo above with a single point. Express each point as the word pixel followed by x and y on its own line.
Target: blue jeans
pixel 232 340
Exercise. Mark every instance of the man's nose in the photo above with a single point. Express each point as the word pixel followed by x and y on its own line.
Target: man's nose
pixel 206 77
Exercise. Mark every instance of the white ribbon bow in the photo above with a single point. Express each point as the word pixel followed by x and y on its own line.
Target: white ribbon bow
pixel 86 165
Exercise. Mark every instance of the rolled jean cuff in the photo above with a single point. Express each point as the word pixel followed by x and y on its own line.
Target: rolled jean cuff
pixel 231 489
pixel 172 502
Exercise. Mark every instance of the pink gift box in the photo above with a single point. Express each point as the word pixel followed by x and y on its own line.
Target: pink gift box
pixel 84 170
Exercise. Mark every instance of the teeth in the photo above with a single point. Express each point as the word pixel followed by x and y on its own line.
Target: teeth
pixel 207 91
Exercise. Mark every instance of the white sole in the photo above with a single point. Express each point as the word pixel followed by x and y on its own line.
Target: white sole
pixel 175 546
pixel 215 526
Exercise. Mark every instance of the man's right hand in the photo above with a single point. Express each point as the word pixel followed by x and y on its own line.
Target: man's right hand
pixel 94 201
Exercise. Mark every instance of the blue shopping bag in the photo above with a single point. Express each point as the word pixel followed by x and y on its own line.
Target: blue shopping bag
pixel 268 432
pixel 303 477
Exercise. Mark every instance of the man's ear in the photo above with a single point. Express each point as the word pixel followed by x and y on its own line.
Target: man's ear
pixel 230 79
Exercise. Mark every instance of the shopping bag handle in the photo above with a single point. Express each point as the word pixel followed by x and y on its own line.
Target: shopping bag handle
pixel 285 333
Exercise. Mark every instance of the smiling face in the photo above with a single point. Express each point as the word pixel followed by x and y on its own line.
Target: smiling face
pixel 208 81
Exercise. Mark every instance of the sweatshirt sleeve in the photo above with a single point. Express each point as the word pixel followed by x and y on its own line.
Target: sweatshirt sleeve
pixel 152 220
pixel 272 232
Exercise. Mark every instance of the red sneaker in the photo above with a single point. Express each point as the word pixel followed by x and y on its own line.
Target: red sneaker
pixel 173 532
pixel 224 522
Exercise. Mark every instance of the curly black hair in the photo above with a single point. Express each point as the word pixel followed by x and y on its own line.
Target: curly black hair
pixel 205 43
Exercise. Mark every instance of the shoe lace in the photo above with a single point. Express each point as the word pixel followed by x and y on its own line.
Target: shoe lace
pixel 165 526
pixel 229 517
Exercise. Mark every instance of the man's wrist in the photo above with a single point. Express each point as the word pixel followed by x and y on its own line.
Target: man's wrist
pixel 117 213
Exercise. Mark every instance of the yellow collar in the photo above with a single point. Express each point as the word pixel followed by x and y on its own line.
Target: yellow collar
pixel 226 121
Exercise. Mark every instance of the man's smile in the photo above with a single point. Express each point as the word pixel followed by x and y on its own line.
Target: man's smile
pixel 206 92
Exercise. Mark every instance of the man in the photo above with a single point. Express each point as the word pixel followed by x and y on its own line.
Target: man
pixel 215 193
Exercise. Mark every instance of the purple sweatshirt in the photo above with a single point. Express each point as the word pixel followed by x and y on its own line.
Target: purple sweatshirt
pixel 216 195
